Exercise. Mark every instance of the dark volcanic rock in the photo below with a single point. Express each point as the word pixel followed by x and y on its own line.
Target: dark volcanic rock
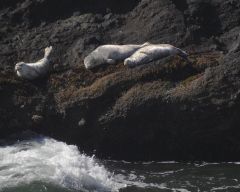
pixel 166 110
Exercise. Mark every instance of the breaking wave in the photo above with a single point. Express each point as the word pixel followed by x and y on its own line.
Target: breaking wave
pixel 50 161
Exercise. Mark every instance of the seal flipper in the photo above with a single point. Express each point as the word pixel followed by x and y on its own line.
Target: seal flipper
pixel 143 52
pixel 182 53
pixel 111 61
pixel 47 51
pixel 145 44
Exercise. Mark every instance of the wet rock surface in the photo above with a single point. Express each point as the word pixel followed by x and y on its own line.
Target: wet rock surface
pixel 165 110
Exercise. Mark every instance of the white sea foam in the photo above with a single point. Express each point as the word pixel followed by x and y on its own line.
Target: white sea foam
pixel 225 188
pixel 138 181
pixel 47 160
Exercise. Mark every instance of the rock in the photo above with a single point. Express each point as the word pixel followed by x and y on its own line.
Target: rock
pixel 37 118
pixel 81 122
pixel 166 110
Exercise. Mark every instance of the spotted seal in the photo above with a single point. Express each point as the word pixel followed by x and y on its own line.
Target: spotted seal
pixel 153 52
pixel 110 54
pixel 35 70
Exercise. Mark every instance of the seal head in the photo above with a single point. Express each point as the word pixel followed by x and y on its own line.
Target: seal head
pixel 26 71
pixel 91 61
pixel 19 66
pixel 129 62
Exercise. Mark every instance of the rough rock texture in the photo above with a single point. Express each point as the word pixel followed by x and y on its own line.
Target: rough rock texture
pixel 166 110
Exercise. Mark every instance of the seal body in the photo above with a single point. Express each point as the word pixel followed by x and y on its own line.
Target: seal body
pixel 110 54
pixel 152 53
pixel 35 70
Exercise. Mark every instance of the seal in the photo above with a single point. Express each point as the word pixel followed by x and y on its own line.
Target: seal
pixel 110 54
pixel 35 70
pixel 152 53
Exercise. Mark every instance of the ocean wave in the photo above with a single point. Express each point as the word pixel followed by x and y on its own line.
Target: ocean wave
pixel 51 161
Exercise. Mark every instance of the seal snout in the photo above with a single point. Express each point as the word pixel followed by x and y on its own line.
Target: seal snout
pixel 18 66
pixel 87 64
pixel 128 62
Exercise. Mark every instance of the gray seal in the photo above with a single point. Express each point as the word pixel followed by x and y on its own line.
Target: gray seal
pixel 110 54
pixel 153 52
pixel 35 70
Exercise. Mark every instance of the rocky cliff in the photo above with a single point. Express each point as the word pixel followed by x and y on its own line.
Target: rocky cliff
pixel 166 110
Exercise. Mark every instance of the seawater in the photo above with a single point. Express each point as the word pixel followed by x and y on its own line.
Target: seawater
pixel 46 165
